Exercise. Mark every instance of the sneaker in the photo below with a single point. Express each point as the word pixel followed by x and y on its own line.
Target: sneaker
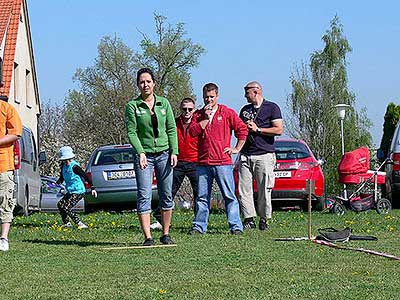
pixel 156 225
pixel 248 223
pixel 82 225
pixel 66 225
pixel 166 240
pixel 263 224
pixel 236 232
pixel 195 232
pixel 3 244
pixel 148 242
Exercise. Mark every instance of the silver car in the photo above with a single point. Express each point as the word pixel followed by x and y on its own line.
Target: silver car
pixel 51 193
pixel 113 176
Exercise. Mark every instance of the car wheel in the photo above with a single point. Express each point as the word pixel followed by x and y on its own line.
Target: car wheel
pixel 383 206
pixel 88 208
pixel 319 204
pixel 338 209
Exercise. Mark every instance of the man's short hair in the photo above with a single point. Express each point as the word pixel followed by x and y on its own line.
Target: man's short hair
pixel 210 87
pixel 188 100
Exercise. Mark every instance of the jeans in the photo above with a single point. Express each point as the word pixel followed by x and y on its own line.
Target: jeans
pixel 224 176
pixel 182 169
pixel 161 164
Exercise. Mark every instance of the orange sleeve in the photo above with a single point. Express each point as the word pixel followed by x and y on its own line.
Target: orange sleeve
pixel 13 123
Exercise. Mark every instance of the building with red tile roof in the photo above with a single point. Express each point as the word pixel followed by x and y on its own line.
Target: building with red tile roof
pixel 18 83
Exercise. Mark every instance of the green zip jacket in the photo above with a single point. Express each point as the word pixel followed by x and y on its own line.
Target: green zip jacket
pixel 140 130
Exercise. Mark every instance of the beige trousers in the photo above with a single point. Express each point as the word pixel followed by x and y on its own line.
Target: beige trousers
pixel 260 168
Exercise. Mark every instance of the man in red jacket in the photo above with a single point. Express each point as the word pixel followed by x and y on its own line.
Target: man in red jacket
pixel 213 125
pixel 187 158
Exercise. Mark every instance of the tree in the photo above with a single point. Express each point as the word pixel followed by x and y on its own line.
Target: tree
pixel 95 111
pixel 316 89
pixel 392 116
pixel 51 128
pixel 171 57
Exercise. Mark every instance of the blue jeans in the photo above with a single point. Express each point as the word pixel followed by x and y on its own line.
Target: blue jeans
pixel 161 164
pixel 224 177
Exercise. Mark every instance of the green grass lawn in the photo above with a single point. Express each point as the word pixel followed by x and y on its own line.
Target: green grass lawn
pixel 47 262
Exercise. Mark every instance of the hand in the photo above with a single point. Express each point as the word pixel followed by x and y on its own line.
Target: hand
pixel 208 112
pixel 252 126
pixel 231 151
pixel 174 160
pixel 142 161
pixel 203 123
pixel 94 193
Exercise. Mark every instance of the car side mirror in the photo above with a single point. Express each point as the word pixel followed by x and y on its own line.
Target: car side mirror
pixel 42 157
pixel 321 161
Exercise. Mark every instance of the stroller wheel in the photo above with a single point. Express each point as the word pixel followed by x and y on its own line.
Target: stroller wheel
pixel 338 209
pixel 383 206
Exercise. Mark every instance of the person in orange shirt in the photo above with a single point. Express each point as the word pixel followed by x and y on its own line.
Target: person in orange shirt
pixel 10 131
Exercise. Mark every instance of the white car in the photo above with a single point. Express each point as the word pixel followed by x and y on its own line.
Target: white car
pixel 51 193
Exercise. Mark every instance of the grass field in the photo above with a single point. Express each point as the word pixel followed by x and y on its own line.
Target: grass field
pixel 47 262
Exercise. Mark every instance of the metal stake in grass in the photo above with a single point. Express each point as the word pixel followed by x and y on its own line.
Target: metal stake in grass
pixel 310 189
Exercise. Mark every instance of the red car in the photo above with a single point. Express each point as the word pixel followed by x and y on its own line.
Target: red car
pixel 295 163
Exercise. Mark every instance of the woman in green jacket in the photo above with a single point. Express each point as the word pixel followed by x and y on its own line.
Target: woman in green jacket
pixel 152 132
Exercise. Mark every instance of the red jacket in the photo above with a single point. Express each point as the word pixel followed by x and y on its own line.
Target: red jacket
pixel 187 144
pixel 217 136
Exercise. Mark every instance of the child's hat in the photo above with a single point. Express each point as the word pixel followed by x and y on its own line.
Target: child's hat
pixel 65 153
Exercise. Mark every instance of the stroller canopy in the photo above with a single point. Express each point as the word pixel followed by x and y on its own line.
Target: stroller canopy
pixel 354 162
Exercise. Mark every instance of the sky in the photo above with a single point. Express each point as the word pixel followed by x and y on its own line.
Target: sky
pixel 244 41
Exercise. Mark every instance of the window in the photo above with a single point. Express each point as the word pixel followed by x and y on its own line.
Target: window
pixel 28 88
pixel 28 148
pixel 16 83
pixel 114 156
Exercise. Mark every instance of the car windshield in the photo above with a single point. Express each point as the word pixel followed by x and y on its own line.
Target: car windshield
pixel 113 156
pixel 286 150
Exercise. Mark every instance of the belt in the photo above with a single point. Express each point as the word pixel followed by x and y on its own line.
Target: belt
pixel 156 153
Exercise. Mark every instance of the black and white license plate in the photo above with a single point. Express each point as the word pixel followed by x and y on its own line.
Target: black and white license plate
pixel 283 174
pixel 114 175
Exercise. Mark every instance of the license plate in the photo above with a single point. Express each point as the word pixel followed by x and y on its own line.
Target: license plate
pixel 113 175
pixel 283 174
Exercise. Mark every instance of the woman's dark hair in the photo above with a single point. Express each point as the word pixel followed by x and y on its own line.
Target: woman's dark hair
pixel 142 71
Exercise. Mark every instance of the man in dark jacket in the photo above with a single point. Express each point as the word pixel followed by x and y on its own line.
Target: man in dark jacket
pixel 257 159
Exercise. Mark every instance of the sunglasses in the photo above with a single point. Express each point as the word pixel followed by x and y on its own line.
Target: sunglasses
pixel 187 108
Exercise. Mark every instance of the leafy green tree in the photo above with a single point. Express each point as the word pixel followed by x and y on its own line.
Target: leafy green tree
pixel 316 88
pixel 392 116
pixel 95 111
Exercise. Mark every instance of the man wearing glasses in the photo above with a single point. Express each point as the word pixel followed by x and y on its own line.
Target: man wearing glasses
pixel 187 157
pixel 257 159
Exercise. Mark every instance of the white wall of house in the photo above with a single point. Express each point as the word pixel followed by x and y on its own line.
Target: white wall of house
pixel 22 91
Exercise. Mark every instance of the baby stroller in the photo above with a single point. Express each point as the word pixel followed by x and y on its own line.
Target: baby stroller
pixel 364 185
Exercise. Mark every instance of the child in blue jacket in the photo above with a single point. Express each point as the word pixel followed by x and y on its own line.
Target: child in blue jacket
pixel 73 176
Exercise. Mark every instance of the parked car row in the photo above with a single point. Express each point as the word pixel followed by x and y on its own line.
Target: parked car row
pixel 111 170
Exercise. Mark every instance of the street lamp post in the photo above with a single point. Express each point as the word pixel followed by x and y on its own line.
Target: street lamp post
pixel 341 110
